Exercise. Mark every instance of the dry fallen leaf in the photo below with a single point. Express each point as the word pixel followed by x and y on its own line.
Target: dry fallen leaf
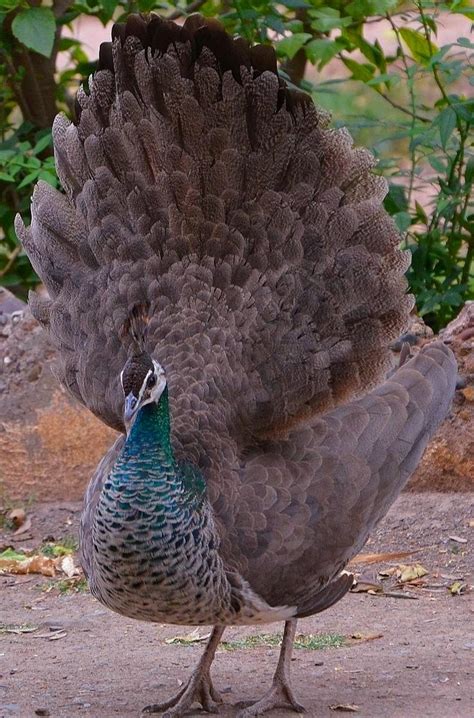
pixel 457 588
pixel 66 565
pixel 345 707
pixel 365 586
pixel 27 564
pixel 458 539
pixel 193 637
pixel 387 572
pixel 407 573
pixel 18 629
pixel 361 637
pixel 14 562
pixel 379 557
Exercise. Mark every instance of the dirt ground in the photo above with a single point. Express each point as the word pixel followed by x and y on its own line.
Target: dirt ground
pixel 409 657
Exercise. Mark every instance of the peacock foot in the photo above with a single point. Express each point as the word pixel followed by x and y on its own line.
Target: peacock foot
pixel 199 689
pixel 280 695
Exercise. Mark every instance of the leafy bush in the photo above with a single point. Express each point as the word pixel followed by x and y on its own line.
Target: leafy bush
pixel 411 104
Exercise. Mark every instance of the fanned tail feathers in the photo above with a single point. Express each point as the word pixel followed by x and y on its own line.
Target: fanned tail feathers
pixel 197 183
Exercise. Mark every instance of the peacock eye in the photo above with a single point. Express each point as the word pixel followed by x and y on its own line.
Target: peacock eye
pixel 151 381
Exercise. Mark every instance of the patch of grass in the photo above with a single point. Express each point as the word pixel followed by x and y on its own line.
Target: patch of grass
pixel 258 640
pixel 67 546
pixel 319 641
pixel 310 642
pixel 65 586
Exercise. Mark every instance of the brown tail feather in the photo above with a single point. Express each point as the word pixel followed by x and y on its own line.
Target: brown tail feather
pixel 198 183
pixel 326 598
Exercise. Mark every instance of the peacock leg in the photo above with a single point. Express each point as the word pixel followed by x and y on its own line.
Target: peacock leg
pixel 280 694
pixel 199 688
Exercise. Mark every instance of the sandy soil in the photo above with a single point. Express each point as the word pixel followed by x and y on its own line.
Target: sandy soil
pixel 412 657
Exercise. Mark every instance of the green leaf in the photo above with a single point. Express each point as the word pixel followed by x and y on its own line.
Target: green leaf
pixel 373 53
pixel 421 214
pixel 296 4
pixel 396 199
pixel 402 220
pixel 109 7
pixel 465 42
pixel 447 123
pixel 469 172
pixel 327 18
pixel 389 78
pixel 418 45
pixel 464 7
pixel 31 177
pixel 437 164
pixel 66 43
pixel 360 71
pixel 31 163
pixel 289 46
pixel 48 177
pixel 44 142
pixel 431 24
pixel 293 26
pixel 35 28
pixel 366 8
pixel 322 50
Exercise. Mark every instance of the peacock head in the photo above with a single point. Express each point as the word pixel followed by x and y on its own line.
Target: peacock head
pixel 143 382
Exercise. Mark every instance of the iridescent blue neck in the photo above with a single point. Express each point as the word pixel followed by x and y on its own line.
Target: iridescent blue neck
pixel 147 464
pixel 150 432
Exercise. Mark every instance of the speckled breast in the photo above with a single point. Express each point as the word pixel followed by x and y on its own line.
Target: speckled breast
pixel 156 560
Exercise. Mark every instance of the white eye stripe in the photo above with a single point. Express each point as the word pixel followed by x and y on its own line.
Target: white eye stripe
pixel 144 385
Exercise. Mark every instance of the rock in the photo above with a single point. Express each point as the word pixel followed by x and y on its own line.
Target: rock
pixel 448 463
pixel 9 304
pixel 417 334
pixel 468 393
pixel 462 327
pixel 49 444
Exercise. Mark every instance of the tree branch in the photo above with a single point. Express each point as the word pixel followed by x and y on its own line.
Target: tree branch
pixel 401 108
pixel 295 68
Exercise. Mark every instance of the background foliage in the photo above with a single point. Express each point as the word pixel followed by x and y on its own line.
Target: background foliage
pixel 412 105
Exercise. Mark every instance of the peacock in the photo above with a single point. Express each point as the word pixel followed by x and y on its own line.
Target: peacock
pixel 223 286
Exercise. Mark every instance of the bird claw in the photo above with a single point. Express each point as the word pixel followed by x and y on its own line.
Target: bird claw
pixel 280 695
pixel 199 689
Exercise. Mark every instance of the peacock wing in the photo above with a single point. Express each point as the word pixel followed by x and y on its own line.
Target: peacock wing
pixel 310 502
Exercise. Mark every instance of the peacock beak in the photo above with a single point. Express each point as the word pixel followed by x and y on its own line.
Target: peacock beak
pixel 131 402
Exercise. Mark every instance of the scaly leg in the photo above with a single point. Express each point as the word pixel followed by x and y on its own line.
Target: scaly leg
pixel 280 694
pixel 199 687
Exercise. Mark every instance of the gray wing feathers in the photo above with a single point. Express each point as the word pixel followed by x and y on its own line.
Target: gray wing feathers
pixel 335 478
